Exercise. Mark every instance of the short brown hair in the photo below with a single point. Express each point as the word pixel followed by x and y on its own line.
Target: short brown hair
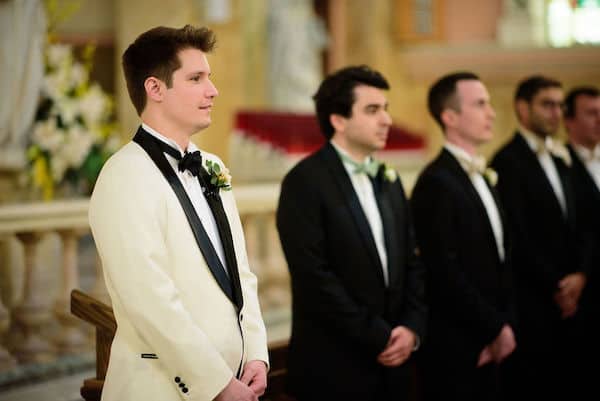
pixel 336 93
pixel 529 87
pixel 442 94
pixel 571 99
pixel 155 54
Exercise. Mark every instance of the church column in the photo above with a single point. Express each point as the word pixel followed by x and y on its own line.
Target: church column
pixel 33 313
pixel 70 339
pixel 7 362
pixel 338 33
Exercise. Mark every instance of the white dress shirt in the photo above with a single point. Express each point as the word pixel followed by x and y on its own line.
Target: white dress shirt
pixel 591 161
pixel 548 166
pixel 366 196
pixel 484 194
pixel 194 191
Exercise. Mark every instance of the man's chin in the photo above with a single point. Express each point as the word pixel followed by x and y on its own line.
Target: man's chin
pixel 203 125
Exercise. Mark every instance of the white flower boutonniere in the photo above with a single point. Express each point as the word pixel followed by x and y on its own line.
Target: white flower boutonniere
pixel 389 173
pixel 219 176
pixel 491 176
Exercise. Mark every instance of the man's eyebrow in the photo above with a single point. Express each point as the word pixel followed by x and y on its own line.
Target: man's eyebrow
pixel 376 105
pixel 199 72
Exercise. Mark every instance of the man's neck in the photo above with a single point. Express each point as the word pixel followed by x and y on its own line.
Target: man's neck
pixel 589 145
pixel 458 141
pixel 181 139
pixel 539 135
pixel 357 155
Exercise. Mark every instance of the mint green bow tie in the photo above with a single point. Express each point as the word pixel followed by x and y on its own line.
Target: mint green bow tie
pixel 369 167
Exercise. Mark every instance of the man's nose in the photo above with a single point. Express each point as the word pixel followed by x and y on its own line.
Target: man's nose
pixel 212 90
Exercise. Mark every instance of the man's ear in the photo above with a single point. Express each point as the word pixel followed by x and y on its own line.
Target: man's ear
pixel 522 110
pixel 449 117
pixel 338 122
pixel 154 88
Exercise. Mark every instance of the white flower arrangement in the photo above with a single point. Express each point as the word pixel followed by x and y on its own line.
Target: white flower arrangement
pixel 73 133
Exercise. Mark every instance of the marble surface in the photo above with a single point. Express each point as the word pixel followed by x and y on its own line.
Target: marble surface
pixel 60 389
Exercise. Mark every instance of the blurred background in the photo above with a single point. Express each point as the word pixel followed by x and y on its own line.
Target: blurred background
pixel 65 109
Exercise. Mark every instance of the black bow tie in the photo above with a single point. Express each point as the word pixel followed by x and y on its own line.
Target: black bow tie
pixel 191 161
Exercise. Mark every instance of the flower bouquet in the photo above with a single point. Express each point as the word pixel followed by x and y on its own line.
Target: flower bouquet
pixel 74 132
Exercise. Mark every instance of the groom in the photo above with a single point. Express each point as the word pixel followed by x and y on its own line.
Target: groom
pixel 344 225
pixel 171 243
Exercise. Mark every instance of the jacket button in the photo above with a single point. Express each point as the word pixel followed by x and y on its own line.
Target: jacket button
pixel 184 390
pixel 241 317
pixel 177 379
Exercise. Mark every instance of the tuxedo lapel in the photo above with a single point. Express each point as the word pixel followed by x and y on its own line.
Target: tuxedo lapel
pixel 532 165
pixel 390 228
pixel 583 172
pixel 565 180
pixel 452 165
pixel 336 168
pixel 147 142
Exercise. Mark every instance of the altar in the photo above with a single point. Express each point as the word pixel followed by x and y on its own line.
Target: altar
pixel 266 144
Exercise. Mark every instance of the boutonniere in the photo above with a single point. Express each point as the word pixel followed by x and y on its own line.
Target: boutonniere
pixel 389 173
pixel 219 176
pixel 491 176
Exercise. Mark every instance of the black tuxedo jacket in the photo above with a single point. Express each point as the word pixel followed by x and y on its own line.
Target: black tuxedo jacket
pixel 468 288
pixel 588 206
pixel 547 245
pixel 342 311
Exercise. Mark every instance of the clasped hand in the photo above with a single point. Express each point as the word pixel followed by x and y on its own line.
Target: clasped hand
pixel 502 346
pixel 399 347
pixel 249 387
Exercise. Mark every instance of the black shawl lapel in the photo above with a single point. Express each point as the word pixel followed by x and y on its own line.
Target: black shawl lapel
pixel 391 230
pixel 336 167
pixel 503 218
pixel 147 142
pixel 533 167
pixel 567 184
pixel 453 165
pixel 579 167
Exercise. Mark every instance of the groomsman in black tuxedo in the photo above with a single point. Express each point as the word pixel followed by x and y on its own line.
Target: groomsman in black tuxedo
pixel 345 228
pixel 461 232
pixel 536 187
pixel 582 122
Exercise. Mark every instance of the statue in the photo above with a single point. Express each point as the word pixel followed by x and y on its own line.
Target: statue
pixel 22 37
pixel 297 37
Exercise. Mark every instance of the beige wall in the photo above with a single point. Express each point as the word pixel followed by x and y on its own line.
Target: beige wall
pixel 468 44
pixel 240 68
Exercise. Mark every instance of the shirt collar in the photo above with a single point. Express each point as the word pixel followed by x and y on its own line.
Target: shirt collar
pixel 534 141
pixel 191 146
pixel 587 154
pixel 343 152
pixel 458 152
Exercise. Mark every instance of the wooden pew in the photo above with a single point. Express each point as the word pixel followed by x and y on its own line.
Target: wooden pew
pixel 102 318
